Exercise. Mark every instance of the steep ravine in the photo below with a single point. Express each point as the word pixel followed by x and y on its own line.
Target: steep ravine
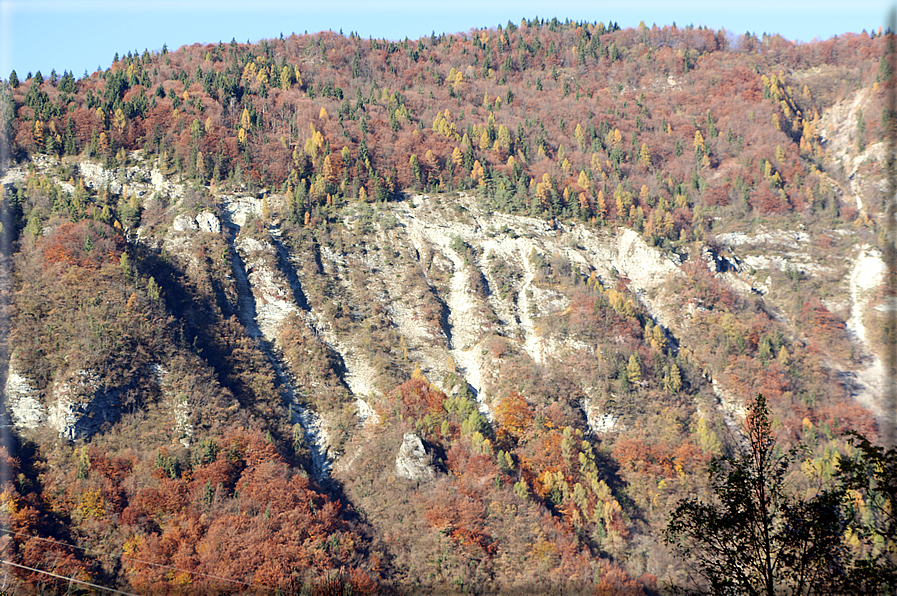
pixel 531 342
pixel 357 374
pixel 250 317
pixel 866 274
pixel 464 323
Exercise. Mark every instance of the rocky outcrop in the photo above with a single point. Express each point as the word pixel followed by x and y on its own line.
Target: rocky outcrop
pixel 413 462
pixel 443 281
pixel 23 401
pixel 273 296
pixel 868 273
pixel 205 222
pixel 597 421
pixel 466 321
pixel 178 404
pixel 141 179
pixel 514 241
pixel 80 405
pixel 277 293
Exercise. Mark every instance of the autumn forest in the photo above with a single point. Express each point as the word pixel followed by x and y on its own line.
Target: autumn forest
pixel 476 312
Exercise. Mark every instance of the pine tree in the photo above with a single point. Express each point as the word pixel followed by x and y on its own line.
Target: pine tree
pixel 415 167
pixel 125 264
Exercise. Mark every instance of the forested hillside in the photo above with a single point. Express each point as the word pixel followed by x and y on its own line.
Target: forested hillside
pixel 467 313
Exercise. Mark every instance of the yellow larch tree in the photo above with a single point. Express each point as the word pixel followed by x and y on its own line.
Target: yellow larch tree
pixel 119 120
pixel 583 180
pixel 633 370
pixel 618 137
pixel 596 164
pixel 699 142
pixel 580 137
pixel 600 205
pixel 286 78
pixel 37 133
pixel 584 206
pixel 457 156
pixel 644 156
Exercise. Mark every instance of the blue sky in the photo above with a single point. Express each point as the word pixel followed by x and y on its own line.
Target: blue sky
pixel 79 35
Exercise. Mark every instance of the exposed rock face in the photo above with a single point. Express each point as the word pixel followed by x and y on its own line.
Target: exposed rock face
pixel 265 298
pixel 452 279
pixel 182 426
pixel 413 462
pixel 205 221
pixel 239 209
pixel 732 407
pixel 598 422
pixel 184 223
pixel 142 179
pixel 272 294
pixel 838 130
pixel 866 275
pixel 22 401
pixel 514 241
pixel 179 404
pixel 81 405
pixel 161 184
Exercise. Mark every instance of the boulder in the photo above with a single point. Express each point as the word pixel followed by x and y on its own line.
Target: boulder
pixel 413 462
pixel 184 223
pixel 209 222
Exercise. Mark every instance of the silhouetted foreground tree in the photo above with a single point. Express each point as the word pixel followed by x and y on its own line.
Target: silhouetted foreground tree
pixel 871 481
pixel 759 534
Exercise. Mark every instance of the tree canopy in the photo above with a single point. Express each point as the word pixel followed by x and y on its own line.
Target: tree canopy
pixel 764 532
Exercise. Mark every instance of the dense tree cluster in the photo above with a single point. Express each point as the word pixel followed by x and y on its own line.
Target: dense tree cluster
pixel 657 129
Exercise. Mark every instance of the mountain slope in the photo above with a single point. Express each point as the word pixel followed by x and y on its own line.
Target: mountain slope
pixel 469 312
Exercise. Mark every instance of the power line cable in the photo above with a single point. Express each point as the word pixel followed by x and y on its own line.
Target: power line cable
pixel 70 579
pixel 126 558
